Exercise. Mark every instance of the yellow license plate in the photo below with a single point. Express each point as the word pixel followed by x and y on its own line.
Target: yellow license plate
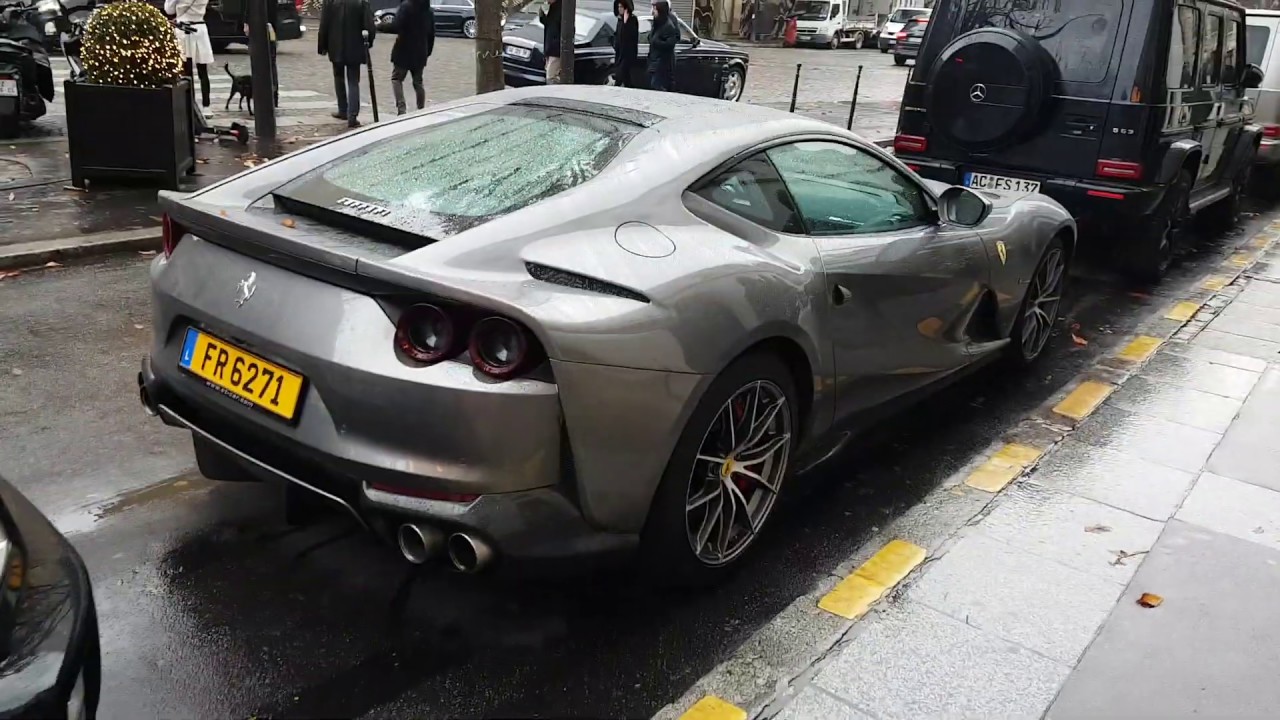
pixel 243 377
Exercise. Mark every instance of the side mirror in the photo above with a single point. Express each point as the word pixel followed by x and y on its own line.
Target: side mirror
pixel 963 207
pixel 1252 77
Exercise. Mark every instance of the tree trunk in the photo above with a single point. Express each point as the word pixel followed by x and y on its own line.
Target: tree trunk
pixel 489 46
pixel 568 11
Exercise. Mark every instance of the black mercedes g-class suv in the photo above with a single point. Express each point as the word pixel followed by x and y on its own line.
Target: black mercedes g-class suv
pixel 1131 113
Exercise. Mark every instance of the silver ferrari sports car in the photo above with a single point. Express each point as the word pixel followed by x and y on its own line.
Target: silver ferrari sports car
pixel 551 322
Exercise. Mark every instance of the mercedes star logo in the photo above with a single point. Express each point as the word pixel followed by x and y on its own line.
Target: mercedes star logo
pixel 978 92
pixel 245 288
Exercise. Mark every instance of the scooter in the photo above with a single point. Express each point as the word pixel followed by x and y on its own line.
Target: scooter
pixel 26 78
pixel 199 123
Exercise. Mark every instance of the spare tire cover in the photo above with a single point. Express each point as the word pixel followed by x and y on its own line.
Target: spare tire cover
pixel 989 88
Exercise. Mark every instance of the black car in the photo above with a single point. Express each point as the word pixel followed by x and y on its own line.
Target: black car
pixel 1130 113
pixel 50 665
pixel 703 67
pixel 455 17
pixel 225 21
pixel 907 43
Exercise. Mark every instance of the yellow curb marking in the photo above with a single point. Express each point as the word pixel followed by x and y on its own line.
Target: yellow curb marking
pixel 856 593
pixel 711 707
pixel 1183 311
pixel 1240 259
pixel 1083 400
pixel 1260 241
pixel 1001 469
pixel 1215 283
pixel 1140 349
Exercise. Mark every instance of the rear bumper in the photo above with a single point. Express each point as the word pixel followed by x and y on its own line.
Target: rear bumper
pixel 1094 205
pixel 906 50
pixel 1268 152
pixel 884 42
pixel 517 76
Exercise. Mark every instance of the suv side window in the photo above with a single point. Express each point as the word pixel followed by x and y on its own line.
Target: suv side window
pixel 1231 53
pixel 1211 52
pixel 752 190
pixel 840 190
pixel 1183 48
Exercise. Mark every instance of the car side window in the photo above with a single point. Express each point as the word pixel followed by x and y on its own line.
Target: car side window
pixel 1183 48
pixel 752 190
pixel 1231 53
pixel 1211 52
pixel 840 190
pixel 645 25
pixel 686 34
pixel 835 10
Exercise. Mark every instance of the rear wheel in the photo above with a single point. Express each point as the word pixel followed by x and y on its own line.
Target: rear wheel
pixel 899 60
pixel 1225 214
pixel 1161 234
pixel 734 82
pixel 859 40
pixel 1039 311
pixel 469 28
pixel 723 479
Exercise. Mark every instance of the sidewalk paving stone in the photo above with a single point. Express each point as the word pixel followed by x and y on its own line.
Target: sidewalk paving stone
pixel 1213 339
pixel 1250 451
pixel 813 702
pixel 1203 375
pixel 1162 441
pixel 1115 478
pixel 1234 508
pixel 1179 404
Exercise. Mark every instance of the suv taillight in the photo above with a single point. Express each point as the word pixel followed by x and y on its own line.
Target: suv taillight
pixel 902 35
pixel 1118 170
pixel 1271 131
pixel 910 144
pixel 170 234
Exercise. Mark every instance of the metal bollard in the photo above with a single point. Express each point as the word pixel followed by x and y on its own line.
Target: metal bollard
pixel 853 104
pixel 795 88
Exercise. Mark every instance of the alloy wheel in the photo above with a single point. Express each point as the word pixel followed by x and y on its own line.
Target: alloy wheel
pixel 1044 295
pixel 737 472
pixel 732 90
pixel 469 29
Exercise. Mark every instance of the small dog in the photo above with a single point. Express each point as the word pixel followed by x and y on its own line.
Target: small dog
pixel 241 85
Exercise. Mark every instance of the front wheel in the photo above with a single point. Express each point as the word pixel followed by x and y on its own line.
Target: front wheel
pixel 469 29
pixel 1039 310
pixel 835 41
pixel 899 60
pixel 1225 214
pixel 734 83
pixel 724 476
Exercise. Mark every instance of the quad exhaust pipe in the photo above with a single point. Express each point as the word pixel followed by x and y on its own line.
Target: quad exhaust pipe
pixel 148 405
pixel 419 543
pixel 468 553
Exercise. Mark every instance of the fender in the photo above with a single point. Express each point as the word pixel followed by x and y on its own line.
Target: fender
pixel 1175 157
pixel 1246 148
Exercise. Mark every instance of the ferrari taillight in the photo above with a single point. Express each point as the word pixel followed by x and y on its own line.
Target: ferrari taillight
pixel 170 234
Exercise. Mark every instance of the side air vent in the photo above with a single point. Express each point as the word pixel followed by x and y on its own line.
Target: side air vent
pixel 556 276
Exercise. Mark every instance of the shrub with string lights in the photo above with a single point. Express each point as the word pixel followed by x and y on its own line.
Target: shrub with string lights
pixel 130 44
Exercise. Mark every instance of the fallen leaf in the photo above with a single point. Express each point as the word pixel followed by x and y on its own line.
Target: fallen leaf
pixel 1150 600
pixel 136 326
pixel 1122 555
pixel 289 223
pixel 53 264
pixel 1078 340
pixel 203 161
pixel 74 188
pixel 223 213
pixel 16 371
pixel 249 163
pixel 1098 529
pixel 5 274
pixel 146 253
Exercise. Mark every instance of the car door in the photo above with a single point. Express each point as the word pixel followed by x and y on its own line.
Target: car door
pixel 903 287
pixel 448 15
pixel 1207 112
pixel 1231 96
pixel 695 66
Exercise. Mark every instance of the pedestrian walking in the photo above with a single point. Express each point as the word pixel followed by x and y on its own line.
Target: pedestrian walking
pixel 415 27
pixel 273 22
pixel 626 44
pixel 346 33
pixel 195 46
pixel 663 39
pixel 551 40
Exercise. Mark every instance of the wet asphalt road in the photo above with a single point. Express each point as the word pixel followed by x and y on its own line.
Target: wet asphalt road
pixel 211 607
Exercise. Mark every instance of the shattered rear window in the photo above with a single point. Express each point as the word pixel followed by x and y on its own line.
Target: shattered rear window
pixel 448 178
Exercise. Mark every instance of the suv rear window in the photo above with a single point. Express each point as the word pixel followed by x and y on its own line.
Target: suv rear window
pixel 1079 34
pixel 448 178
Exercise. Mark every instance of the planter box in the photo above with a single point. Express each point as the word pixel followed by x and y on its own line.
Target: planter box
pixel 129 133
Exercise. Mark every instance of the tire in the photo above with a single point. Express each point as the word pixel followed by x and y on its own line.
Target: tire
pixel 859 40
pixel 1225 214
pixel 899 60
pixel 1039 309
pixel 219 46
pixel 884 49
pixel 835 41
pixel 733 85
pixel 667 544
pixel 1161 234
pixel 469 28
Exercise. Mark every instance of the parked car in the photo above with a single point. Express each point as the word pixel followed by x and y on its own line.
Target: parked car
pixel 887 35
pixel 703 67
pixel 906 45
pixel 456 17
pixel 556 321
pixel 225 21
pixel 1132 115
pixel 1261 27
pixel 50 663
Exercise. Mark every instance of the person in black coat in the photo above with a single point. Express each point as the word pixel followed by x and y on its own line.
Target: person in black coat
pixel 346 33
pixel 663 39
pixel 551 40
pixel 626 43
pixel 415 27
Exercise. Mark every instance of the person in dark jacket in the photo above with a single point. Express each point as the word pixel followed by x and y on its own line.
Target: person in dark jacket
pixel 415 27
pixel 551 40
pixel 346 33
pixel 626 42
pixel 663 39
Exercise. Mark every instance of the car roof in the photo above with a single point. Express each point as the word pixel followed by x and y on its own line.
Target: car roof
pixel 1261 13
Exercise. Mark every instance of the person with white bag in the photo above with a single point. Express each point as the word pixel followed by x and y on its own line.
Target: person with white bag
pixel 195 46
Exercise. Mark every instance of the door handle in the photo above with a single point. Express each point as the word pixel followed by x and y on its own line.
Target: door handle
pixel 840 295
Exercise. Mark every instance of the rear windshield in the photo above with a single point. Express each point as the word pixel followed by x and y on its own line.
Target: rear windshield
pixel 1255 39
pixel 1079 34
pixel 451 177
pixel 904 14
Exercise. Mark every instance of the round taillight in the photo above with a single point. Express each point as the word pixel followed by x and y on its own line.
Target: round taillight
pixel 425 334
pixel 499 347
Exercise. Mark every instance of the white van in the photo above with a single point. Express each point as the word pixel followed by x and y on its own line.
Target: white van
pixel 889 31
pixel 1261 28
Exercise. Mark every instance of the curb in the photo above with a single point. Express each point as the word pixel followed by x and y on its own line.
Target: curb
pixel 39 252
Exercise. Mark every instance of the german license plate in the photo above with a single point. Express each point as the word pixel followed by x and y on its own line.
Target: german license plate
pixel 1001 184
pixel 243 377
pixel 518 52
pixel 8 87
